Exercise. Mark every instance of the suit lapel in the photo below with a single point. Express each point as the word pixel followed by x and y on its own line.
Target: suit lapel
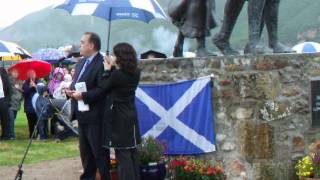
pixel 78 70
pixel 89 67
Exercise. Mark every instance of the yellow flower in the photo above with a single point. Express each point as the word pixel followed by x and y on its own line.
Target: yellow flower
pixel 304 167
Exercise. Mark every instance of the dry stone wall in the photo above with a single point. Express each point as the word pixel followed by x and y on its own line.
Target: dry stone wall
pixel 261 106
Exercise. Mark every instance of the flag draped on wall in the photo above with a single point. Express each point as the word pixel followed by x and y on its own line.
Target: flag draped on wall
pixel 179 114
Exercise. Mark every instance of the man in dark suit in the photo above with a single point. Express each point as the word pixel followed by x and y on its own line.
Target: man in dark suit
pixel 89 71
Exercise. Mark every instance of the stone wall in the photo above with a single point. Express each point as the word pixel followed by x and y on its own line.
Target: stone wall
pixel 261 106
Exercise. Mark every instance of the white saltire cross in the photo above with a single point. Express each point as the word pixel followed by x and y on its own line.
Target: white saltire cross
pixel 169 118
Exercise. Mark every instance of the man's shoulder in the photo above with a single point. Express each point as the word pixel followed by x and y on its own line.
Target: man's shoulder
pixel 99 56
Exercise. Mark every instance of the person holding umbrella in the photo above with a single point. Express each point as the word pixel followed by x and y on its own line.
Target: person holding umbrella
pixel 121 127
pixel 87 107
pixel 30 70
pixel 29 89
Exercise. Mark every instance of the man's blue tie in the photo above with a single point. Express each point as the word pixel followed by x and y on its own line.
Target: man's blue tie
pixel 83 68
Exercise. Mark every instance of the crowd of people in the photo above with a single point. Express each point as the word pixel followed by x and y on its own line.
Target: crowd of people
pixel 101 92
pixel 14 91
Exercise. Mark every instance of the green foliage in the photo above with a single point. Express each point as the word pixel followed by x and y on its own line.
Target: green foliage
pixel 11 152
pixel 150 150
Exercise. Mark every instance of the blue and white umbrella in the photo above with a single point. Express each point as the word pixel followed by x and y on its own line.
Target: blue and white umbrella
pixel 12 49
pixel 307 47
pixel 142 10
pixel 50 55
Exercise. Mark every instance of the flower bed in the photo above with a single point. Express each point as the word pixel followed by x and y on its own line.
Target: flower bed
pixel 195 169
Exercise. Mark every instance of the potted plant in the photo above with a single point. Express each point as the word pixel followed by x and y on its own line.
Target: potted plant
pixel 152 164
pixel 187 168
pixel 309 166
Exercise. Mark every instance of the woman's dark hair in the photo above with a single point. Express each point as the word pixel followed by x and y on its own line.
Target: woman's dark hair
pixel 126 57
pixel 95 39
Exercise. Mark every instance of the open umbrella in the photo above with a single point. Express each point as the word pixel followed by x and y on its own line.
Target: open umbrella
pixel 50 55
pixel 142 10
pixel 307 47
pixel 12 49
pixel 40 67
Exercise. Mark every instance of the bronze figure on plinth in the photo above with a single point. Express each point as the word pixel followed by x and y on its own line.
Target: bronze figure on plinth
pixel 260 13
pixel 194 19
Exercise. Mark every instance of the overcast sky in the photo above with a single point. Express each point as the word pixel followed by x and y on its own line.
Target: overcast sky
pixel 13 10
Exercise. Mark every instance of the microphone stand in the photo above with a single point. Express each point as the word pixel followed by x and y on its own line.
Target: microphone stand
pixel 20 171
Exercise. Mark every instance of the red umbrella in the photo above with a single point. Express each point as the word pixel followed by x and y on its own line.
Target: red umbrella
pixel 41 68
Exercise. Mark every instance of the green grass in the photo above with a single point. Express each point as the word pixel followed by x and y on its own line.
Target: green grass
pixel 12 151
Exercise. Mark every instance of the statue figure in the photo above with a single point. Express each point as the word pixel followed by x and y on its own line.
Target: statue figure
pixel 260 13
pixel 195 20
pixel 232 10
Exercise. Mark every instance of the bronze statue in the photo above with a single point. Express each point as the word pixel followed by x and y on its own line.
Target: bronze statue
pixel 232 10
pixel 195 20
pixel 260 12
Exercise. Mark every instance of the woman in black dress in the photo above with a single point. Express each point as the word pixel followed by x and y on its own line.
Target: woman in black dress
pixel 121 128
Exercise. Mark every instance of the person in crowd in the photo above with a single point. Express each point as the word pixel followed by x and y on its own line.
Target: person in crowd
pixel 5 93
pixel 15 101
pixel 29 89
pixel 87 108
pixel 57 78
pixel 59 93
pixel 65 70
pixel 54 83
pixel 40 104
pixel 72 71
pixel 121 128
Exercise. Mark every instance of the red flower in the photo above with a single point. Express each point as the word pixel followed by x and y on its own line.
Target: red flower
pixel 210 170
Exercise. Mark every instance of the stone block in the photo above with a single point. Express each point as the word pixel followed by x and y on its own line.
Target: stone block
pixel 257 85
pixel 246 134
pixel 264 141
pixel 298 144
pixel 290 91
pixel 236 167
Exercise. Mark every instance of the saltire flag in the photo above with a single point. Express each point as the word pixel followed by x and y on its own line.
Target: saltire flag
pixel 178 114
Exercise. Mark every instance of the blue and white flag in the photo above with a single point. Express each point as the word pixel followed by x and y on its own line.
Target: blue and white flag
pixel 179 114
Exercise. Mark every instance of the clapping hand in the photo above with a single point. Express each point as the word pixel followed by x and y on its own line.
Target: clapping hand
pixel 32 83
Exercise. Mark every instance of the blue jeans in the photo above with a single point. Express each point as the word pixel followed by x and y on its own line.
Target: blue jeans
pixel 12 118
pixel 43 128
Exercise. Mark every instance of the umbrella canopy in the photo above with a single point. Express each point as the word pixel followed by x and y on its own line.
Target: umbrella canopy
pixel 40 67
pixel 50 55
pixel 11 49
pixel 142 10
pixel 11 58
pixel 307 47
